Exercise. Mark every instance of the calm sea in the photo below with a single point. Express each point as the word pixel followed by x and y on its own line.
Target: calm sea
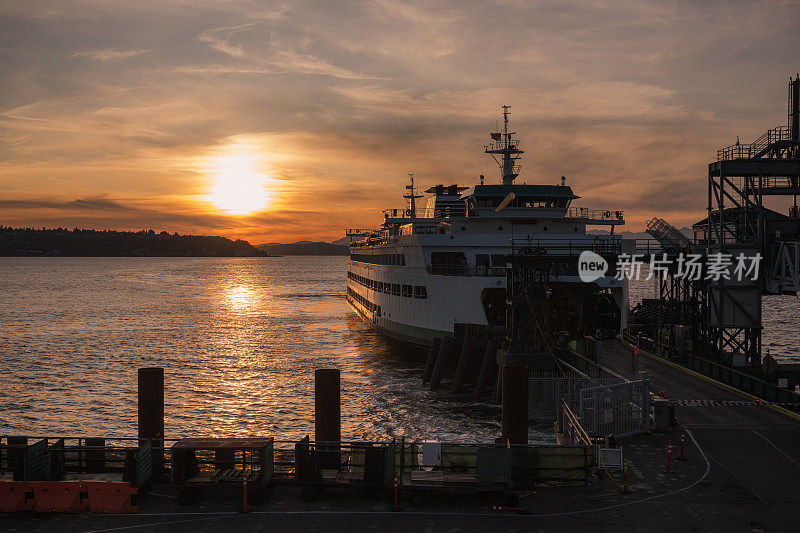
pixel 239 339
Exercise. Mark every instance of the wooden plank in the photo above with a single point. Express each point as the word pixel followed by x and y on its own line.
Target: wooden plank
pixel 424 476
pixel 329 474
pixel 459 477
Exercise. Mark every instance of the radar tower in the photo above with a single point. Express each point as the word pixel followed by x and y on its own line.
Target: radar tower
pixel 412 197
pixel 503 145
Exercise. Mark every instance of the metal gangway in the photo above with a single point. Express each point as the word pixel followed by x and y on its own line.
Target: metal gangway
pixel 670 238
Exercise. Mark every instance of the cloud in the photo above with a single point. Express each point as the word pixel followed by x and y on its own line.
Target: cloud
pixel 108 54
pixel 108 111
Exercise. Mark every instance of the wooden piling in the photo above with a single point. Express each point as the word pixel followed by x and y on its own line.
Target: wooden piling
pixel 151 413
pixel 327 405
pixel 327 415
pixel 432 355
pixel 515 404
pixel 487 368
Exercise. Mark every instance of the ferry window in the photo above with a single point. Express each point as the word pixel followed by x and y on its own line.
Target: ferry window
pixel 448 258
pixel 396 289
pixel 499 228
pixel 408 291
pixel 420 292
pixel 380 286
pixel 482 260
pixel 498 260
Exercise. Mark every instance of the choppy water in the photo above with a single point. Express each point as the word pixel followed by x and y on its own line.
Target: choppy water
pixel 239 338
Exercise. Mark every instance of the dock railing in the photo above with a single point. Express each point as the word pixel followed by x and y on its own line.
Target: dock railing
pixel 720 372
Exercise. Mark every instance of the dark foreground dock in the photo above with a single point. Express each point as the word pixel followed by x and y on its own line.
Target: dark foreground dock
pixel 742 473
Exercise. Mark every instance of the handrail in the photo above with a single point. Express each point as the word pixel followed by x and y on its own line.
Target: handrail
pixel 756 148
pixel 575 423
pixel 742 377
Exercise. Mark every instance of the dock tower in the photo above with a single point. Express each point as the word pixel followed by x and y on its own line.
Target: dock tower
pixel 725 315
pixel 738 222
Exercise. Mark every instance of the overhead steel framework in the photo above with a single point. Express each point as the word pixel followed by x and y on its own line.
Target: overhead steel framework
pixel 737 184
pixel 725 314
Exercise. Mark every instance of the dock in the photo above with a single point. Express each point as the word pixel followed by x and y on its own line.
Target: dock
pixel 740 474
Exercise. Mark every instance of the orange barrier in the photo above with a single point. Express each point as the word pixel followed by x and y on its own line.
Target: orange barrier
pixel 14 497
pixel 57 496
pixel 110 496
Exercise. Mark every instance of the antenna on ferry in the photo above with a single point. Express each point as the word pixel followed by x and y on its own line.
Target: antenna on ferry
pixel 411 197
pixel 503 145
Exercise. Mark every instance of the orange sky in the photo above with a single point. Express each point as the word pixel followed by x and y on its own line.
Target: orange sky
pixel 276 122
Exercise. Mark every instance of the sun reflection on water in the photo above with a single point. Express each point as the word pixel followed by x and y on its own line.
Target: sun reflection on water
pixel 241 298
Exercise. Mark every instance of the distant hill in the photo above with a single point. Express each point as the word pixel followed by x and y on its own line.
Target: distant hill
pixel 109 243
pixel 304 248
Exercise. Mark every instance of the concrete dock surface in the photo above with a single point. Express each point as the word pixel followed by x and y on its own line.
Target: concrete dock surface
pixel 742 474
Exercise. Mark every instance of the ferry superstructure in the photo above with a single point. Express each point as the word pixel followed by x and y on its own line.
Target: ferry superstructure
pixel 425 270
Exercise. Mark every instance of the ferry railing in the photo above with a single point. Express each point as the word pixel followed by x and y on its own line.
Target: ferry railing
pixel 501 145
pixel 595 214
pixel 535 246
pixel 358 232
pixel 405 213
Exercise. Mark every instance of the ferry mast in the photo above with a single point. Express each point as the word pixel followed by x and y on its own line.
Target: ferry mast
pixel 503 145
pixel 411 197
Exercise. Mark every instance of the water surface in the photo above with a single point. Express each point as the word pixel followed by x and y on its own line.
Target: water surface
pixel 239 339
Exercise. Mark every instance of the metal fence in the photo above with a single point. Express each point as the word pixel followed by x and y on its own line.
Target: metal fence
pixel 619 409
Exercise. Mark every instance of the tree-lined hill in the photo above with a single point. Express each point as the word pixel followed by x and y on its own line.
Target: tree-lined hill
pixel 146 243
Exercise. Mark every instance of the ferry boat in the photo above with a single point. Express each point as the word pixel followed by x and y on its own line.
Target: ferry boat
pixel 425 270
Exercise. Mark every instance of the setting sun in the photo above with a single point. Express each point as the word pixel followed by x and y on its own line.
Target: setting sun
pixel 239 185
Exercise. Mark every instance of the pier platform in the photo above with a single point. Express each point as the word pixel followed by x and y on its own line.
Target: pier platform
pixel 742 473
